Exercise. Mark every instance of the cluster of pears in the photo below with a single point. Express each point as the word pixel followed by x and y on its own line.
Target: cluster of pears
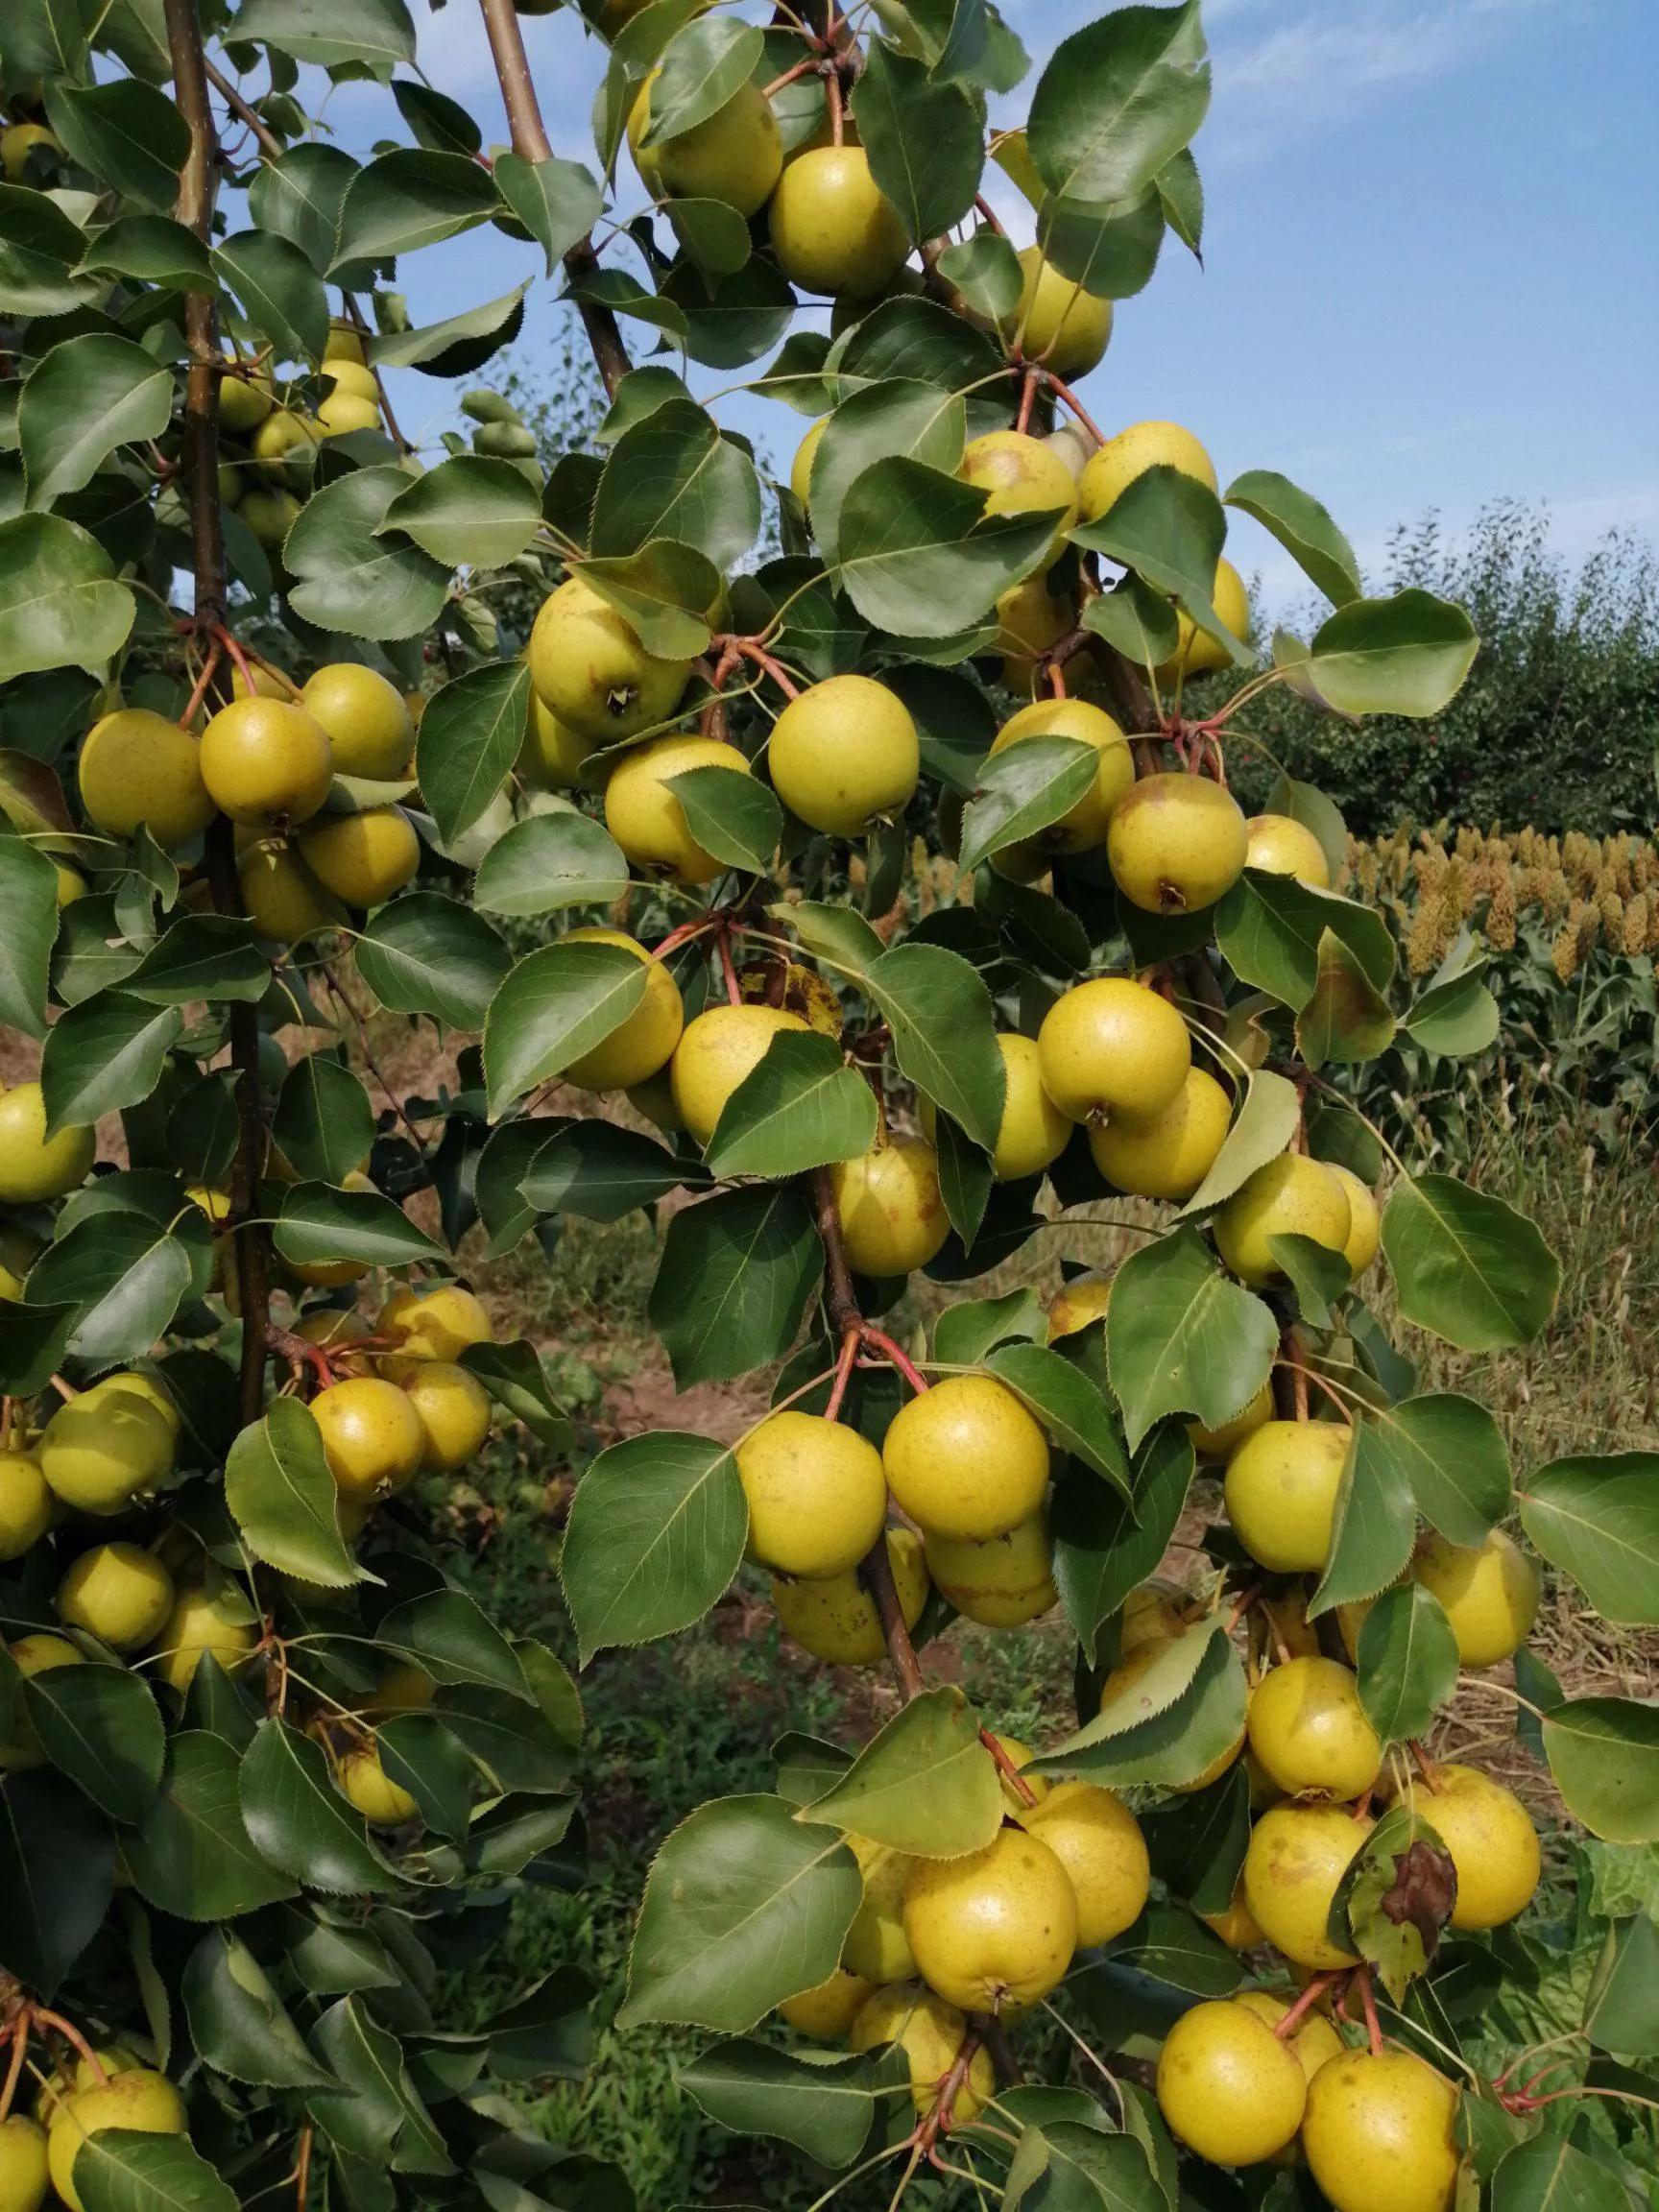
pixel 77 2100
pixel 992 1933
pixel 270 443
pixel 269 759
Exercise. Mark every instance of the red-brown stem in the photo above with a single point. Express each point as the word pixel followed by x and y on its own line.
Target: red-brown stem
pixel 300 1352
pixel 193 705
pixel 1299 1388
pixel 1305 2003
pixel 1028 384
pixel 18 2032
pixel 268 144
pixel 1063 390
pixel 729 970
pixel 223 637
pixel 302 2167
pixel 837 106
pixel 1006 1768
pixel 840 1299
pixel 530 139
pixel 682 935
pixel 939 2121
pixel 1057 680
pixel 877 1571
pixel 72 2035
pixel 850 1342
pixel 64 1389
pixel 1426 1767
pixel 789 76
pixel 1373 2026
pixel 750 650
pixel 896 1357
pixel 1242 1605
pixel 988 215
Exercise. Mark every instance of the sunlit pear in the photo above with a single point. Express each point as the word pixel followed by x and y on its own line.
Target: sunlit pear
pixel 245 399
pixel 141 2101
pixel 1293 1870
pixel 283 900
pixel 134 1383
pixel 1175 843
pixel 553 756
pixel 930 2034
pixel 24 2179
pixel 1381 2134
pixel 34 1166
pixel 1099 1842
pixel 806 453
pixel 803 993
pixel 836 1618
pixel 1228 2087
pixel 118 1593
pixel 37 1654
pixel 1290 1196
pixel 1281 845
pixel 645 816
pixel 590 670
pixel 354 379
pixel 893 1215
pixel 996 1930
pixel 1153 1611
pixel 433 1324
pixel 364 858
pixel 344 343
pixel 843 753
pixel 1365 1221
pixel 816 1492
pixel 833 230
pixel 99 1449
pixel 1003 1582
pixel 825 2014
pixel 645 1042
pixel 1489 1836
pixel 284 447
pixel 204 1621
pixel 1019 1802
pixel 1031 620
pixel 1077 1305
pixel 1133 1666
pixel 1020 476
pixel 453 1408
pixel 1196 652
pixel 717 1052
pixel 367 1787
pixel 1112 1046
pixel 1281 1489
pixel 270 515
pixel 1085 826
pixel 266 762
pixel 735 155
pixel 16 142
pixel 1114 468
pixel 1168 1156
pixel 966 1460
pixel 1235 1925
pixel 1311 1733
pixel 25 1500
pixel 342 412
pixel 71 885
pixel 877 1946
pixel 371 1436
pixel 365 718
pixel 1489 1592
pixel 1056 322
pixel 141 767
pixel 1033 1132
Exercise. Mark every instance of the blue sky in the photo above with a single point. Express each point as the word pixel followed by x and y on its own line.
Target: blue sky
pixel 1432 255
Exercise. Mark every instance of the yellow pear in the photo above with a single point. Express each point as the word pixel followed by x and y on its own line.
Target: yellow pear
pixel 371 1436
pixel 833 230
pixel 1078 1305
pixel 354 378
pixel 804 992
pixel 1099 1842
pixel 282 898
pixel 266 762
pixel 645 1042
pixel 931 2034
pixel 34 1166
pixel 1490 1839
pixel 965 1461
pixel 25 1500
pixel 1168 1156
pixel 24 2179
pixel 1281 1489
pixel 1365 1221
pixel 1196 653
pixel 16 141
pixel 1033 1132
pixel 1085 826
pixel 345 410
pixel 138 767
pixel 825 2014
pixel 32 1655
pixel 877 1946
pixel 996 1930
pixel 1031 620
pixel 1220 1442
pixel 285 447
pixel 453 1408
pixel 1228 2087
pixel 1489 1592
pixel 1290 1196
pixel 735 155
pixel 1235 1925
pixel 1110 472
pixel 99 1449
pixel 1311 1732
pixel 1310 2042
pixel 1112 1046
pixel 1292 1871
pixel 336 1330
pixel 1280 846
pixel 835 1617
pixel 1153 1611
pixel 553 756
pixel 1000 1582
pixel 344 343
pixel 1056 322
pixel 816 1492
pixel 590 670
pixel 806 453
pixel 844 752
pixel 402 1687
pixel 893 1215
pixel 717 1052
pixel 363 858
pixel 1381 2134
pixel 202 1623
pixel 138 2100
pixel 118 1593
pixel 367 1787
pixel 270 516
pixel 434 1324
pixel 365 719
pixel 1022 477
pixel 1176 843
pixel 646 818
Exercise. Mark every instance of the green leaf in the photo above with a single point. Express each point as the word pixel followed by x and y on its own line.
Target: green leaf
pixel 656 1534
pixel 453 1639
pixel 1134 621
pixel 1181 190
pixel 238 2024
pixel 299 1821
pixel 514 1376
pixel 944 1033
pixel 425 953
pixel 901 416
pixel 1376 1521
pixel 734 817
pixel 347 577
pixel 201 956
pixel 381 2116
pixel 924 1784
pixel 600 1172
pixel 455 346
pixel 965 1333
pixel 39 246
pixel 57 1878
pixel 1103 1544
pixel 918 556
pixel 469 511
pixel 743 1908
pixel 436 120
pixel 823 2104
pixel 128 2170
pixel 1169 528
pixel 319 1224
pixel 469 739
pixel 1167 1727
pixel 556 202
pixel 1467 1265
pixel 283 1499
pixel 79 402
pixel 552 1007
pixel 925 138
pixel 1078 2168
pixel 1407 655
pixel 411 198
pixel 736 1275
pixel 32 1341
pixel 985 270
pixel 1197 1845
pixel 100 1726
pixel 1303 527
pixel 550 862
pixel 1456 1018
pixel 28 927
pixel 1182 1338
pixel 1456 1460
pixel 61 606
pixel 103 1055
pixel 1270 929
pixel 375 35
pixel 1548 2175
pixel 673 475
pixel 1346 1019
pixel 1067 1402
pixel 1604 1755
pixel 324 1125
pixel 281 295
pixel 665 592
pixel 1597 1520
pixel 703 67
pixel 1408 1660
pixel 1118 101
pixel 192 1856
pixel 1394 1944
pixel 801 1108
pixel 299 198
pixel 1022 790
pixel 1263 1128
pixel 1621 2009
pixel 127 1275
pixel 128 134
pixel 1109 250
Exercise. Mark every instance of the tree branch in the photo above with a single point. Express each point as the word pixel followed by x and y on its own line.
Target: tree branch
pixel 531 141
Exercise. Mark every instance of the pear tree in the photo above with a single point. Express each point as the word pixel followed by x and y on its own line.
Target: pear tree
pixel 842 868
